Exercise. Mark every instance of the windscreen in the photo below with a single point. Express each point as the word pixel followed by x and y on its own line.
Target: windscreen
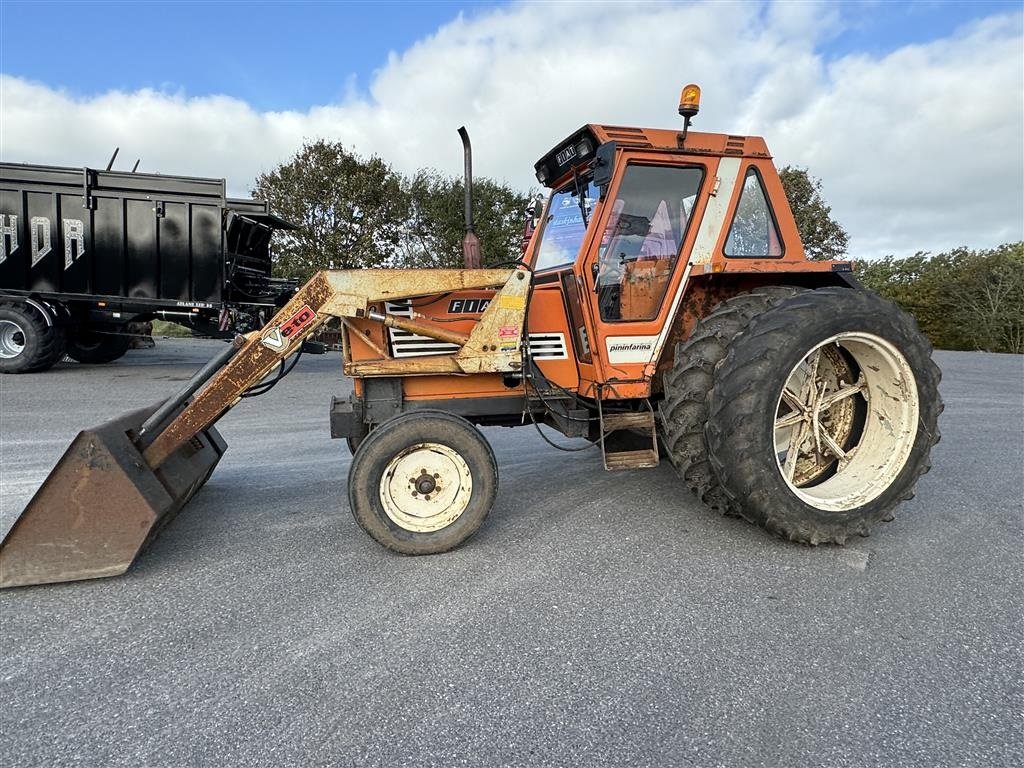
pixel 565 225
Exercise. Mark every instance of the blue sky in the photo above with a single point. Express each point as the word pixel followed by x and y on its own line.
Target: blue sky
pixel 277 55
pixel 877 99
pixel 274 55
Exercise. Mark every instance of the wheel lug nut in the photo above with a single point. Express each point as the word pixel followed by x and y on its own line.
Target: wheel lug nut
pixel 436 476
pixel 427 497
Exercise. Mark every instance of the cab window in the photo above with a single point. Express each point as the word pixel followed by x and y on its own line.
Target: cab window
pixel 565 225
pixel 753 233
pixel 642 239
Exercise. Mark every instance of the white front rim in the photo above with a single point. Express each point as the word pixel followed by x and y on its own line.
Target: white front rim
pixel 12 339
pixel 844 432
pixel 426 487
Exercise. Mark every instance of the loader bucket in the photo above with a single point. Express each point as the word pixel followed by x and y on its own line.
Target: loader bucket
pixel 102 504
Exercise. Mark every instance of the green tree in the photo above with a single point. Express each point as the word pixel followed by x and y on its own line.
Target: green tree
pixel 990 299
pixel 349 211
pixel 961 299
pixel 823 237
pixel 353 212
pixel 433 234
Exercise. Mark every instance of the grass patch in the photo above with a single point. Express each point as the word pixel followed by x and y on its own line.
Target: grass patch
pixel 163 328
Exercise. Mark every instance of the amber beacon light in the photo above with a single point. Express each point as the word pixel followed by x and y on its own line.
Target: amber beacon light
pixel 689 105
pixel 689 101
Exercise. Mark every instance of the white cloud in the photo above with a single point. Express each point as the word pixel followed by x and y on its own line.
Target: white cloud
pixel 917 149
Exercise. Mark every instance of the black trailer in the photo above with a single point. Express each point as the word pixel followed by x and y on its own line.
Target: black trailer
pixel 85 252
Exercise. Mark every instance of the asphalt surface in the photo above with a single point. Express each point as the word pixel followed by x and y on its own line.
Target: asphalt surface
pixel 597 618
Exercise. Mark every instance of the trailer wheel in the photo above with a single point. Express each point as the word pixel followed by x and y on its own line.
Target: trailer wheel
pixel 423 482
pixel 684 411
pixel 823 415
pixel 27 343
pixel 98 344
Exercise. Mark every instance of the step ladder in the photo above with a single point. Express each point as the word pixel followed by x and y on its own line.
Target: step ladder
pixel 643 429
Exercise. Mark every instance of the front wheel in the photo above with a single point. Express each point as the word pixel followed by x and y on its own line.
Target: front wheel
pixel 823 415
pixel 423 482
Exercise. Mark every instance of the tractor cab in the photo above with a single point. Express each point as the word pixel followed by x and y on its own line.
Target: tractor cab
pixel 637 218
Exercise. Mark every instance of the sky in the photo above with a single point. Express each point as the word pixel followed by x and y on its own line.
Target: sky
pixel 911 114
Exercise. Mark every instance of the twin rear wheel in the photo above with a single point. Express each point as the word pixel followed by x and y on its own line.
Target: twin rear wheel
pixel 423 482
pixel 813 417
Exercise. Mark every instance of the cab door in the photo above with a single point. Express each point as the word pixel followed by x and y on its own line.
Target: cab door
pixel 633 272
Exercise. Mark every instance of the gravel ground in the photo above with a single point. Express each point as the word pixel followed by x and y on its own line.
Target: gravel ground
pixel 597 619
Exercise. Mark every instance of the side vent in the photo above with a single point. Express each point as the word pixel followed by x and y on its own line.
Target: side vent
pixel 548 346
pixel 543 346
pixel 734 145
pixel 406 344
pixel 634 137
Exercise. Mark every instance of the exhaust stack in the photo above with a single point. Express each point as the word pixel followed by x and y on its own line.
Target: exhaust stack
pixel 470 243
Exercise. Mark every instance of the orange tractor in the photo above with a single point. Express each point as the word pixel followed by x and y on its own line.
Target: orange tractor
pixel 664 307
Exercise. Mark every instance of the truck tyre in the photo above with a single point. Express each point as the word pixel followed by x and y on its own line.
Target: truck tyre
pixel 27 343
pixel 823 415
pixel 423 482
pixel 684 411
pixel 98 344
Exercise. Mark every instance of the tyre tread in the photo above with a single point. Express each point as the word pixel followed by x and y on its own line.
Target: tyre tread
pixel 50 349
pixel 684 411
pixel 733 412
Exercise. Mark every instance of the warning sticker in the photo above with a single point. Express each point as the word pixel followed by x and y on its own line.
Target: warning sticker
pixel 512 302
pixel 508 332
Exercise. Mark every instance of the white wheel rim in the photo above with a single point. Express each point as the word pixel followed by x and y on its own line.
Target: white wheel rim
pixel 12 339
pixel 426 487
pixel 812 417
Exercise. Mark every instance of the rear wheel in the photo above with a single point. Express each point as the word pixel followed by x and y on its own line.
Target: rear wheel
pixel 823 415
pixel 27 343
pixel 98 344
pixel 423 482
pixel 684 411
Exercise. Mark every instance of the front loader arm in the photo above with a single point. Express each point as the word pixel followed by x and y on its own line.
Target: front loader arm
pixel 493 344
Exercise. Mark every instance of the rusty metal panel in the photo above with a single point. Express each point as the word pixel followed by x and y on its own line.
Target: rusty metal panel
pixel 494 344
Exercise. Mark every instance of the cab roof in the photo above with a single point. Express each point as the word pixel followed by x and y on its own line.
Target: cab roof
pixel 566 155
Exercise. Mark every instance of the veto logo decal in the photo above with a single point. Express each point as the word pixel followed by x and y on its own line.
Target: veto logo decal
pixel 467 306
pixel 276 338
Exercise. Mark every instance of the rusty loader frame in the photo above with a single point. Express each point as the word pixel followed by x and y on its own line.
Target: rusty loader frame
pixel 123 481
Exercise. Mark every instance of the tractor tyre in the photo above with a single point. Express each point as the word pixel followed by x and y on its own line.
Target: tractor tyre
pixel 684 411
pixel 423 482
pixel 27 343
pixel 823 415
pixel 98 344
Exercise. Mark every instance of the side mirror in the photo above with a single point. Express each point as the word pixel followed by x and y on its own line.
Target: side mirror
pixel 604 166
